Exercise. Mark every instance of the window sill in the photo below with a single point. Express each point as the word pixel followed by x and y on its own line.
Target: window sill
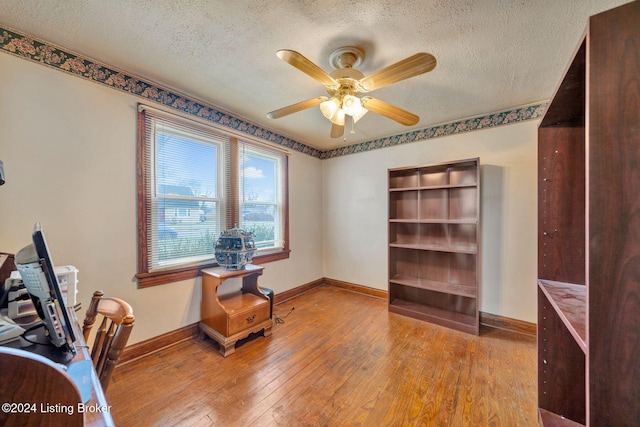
pixel 146 280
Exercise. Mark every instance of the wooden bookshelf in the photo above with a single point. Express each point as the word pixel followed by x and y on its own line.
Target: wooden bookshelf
pixel 433 243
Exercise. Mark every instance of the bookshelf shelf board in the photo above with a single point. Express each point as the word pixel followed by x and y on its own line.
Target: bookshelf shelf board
pixel 433 285
pixel 569 301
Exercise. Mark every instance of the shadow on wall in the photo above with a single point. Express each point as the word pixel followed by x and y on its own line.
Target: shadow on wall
pixel 492 229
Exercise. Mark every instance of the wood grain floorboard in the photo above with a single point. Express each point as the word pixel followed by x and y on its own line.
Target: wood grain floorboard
pixel 339 359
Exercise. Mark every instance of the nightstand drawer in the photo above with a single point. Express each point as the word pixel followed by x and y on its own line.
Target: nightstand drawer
pixel 243 311
pixel 243 319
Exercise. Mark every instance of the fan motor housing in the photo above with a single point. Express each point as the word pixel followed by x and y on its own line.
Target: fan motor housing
pixel 346 57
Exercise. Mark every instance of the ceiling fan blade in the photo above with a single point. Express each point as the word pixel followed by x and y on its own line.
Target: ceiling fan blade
pixel 390 111
pixel 412 66
pixel 306 66
pixel 337 130
pixel 294 108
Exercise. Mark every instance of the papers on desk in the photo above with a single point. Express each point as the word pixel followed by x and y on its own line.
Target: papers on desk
pixel 9 331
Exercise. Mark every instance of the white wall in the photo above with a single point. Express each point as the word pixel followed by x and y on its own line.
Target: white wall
pixel 356 211
pixel 69 151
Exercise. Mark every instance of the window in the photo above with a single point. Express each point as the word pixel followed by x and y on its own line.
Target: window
pixel 261 189
pixel 194 181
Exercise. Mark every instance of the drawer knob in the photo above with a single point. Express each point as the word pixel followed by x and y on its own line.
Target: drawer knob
pixel 251 318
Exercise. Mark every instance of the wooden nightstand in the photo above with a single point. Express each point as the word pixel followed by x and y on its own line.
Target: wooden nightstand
pixel 229 318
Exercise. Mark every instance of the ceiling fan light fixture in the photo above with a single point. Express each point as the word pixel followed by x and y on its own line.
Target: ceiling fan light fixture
pixel 329 108
pixel 338 118
pixel 351 105
pixel 360 114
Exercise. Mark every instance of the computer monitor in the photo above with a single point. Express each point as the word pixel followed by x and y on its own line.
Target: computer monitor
pixel 37 273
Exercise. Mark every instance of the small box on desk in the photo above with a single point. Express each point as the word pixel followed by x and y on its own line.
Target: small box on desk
pixel 18 307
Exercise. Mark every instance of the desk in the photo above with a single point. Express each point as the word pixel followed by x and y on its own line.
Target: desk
pixel 99 417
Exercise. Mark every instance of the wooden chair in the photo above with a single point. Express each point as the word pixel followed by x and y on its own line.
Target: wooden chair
pixel 35 391
pixel 112 334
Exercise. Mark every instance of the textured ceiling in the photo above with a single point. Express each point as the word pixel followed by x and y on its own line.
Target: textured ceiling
pixel 492 55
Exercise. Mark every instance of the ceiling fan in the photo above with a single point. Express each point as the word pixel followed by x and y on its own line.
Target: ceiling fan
pixel 345 83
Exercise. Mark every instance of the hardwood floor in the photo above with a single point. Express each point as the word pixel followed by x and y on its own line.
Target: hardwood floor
pixel 340 359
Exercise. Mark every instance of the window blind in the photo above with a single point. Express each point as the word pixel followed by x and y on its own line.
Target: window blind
pixel 187 191
pixel 261 189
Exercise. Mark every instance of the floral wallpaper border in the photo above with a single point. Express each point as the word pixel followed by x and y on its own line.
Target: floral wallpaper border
pixel 28 48
pixel 527 112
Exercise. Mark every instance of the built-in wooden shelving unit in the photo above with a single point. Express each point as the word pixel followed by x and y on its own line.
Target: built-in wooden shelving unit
pixel 589 232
